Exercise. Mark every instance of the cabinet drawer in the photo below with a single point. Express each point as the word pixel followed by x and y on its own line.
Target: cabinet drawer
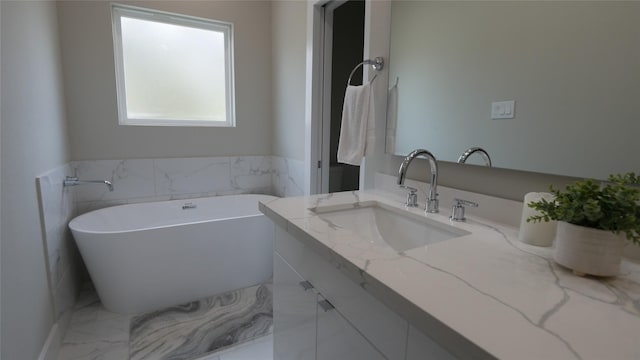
pixel 294 314
pixel 337 339
pixel 374 320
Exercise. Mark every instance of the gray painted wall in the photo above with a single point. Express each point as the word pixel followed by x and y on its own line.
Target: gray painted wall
pixel 88 63
pixel 34 140
pixel 289 28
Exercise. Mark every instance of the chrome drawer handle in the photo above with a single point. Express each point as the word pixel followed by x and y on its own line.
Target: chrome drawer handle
pixel 326 305
pixel 306 285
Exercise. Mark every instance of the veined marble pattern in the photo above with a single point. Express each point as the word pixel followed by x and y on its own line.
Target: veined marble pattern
pixel 192 175
pixel 132 178
pixel 56 210
pixel 534 308
pixel 144 180
pixel 237 323
pixel 252 172
pixel 288 177
pixel 190 330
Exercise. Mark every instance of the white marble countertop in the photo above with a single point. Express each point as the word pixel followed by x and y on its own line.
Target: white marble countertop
pixel 505 299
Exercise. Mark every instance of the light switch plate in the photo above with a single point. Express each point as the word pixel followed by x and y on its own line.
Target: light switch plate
pixel 503 109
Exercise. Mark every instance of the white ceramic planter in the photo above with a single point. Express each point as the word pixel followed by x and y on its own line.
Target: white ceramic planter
pixel 588 250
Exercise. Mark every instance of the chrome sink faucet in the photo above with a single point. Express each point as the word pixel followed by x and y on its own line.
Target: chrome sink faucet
pixel 457 210
pixel 432 198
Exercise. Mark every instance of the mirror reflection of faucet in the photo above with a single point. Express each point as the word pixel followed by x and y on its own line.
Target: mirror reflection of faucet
pixel 472 150
pixel 432 198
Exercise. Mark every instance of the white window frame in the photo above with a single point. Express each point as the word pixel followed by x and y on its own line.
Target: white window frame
pixel 118 11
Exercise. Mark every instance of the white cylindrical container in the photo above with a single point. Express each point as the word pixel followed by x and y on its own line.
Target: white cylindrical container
pixel 538 234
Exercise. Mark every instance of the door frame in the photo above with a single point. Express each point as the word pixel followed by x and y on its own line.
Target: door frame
pixel 325 135
pixel 376 43
pixel 318 94
pixel 313 97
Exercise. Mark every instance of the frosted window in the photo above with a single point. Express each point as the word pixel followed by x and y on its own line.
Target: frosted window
pixel 172 70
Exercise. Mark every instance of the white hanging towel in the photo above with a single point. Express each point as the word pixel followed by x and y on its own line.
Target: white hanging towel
pixel 357 134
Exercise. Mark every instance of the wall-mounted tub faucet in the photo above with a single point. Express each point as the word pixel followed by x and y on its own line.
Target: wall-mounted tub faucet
pixel 73 181
pixel 472 150
pixel 432 198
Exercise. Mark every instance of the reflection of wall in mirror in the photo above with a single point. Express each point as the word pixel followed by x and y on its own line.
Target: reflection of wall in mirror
pixel 572 67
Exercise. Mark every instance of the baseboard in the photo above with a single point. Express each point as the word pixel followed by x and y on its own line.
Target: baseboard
pixel 51 347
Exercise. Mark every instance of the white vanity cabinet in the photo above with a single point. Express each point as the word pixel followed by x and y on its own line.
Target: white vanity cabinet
pixel 359 327
pixel 307 326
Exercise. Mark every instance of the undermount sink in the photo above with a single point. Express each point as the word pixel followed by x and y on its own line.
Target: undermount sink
pixel 381 224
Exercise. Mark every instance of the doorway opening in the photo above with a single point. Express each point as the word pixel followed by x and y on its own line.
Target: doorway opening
pixel 345 44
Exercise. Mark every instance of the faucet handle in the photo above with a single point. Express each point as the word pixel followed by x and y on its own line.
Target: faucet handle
pixel 457 211
pixel 412 196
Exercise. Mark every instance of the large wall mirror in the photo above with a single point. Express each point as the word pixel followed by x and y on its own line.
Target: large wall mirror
pixel 572 68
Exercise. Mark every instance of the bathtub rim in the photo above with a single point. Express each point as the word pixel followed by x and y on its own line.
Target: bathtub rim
pixel 96 232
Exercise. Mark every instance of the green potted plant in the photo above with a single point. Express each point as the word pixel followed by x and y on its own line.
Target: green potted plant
pixel 593 221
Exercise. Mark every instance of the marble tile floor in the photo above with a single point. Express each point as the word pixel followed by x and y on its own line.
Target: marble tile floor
pixel 231 326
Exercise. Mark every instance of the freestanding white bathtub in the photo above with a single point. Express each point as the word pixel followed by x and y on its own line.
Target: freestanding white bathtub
pixel 144 257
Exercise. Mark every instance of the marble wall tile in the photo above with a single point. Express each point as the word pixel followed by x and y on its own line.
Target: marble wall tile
pixel 67 290
pixel 59 248
pixel 57 202
pixel 132 178
pixel 192 175
pixel 296 176
pixel 251 165
pixel 144 180
pixel 87 206
pixel 288 177
pixel 251 172
pixel 57 208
